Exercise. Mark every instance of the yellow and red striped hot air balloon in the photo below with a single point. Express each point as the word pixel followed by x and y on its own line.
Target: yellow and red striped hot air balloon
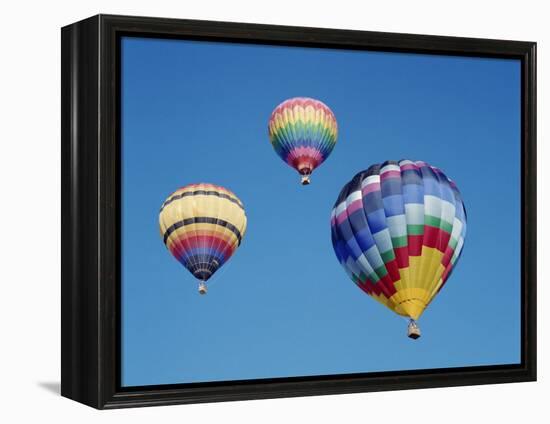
pixel 202 225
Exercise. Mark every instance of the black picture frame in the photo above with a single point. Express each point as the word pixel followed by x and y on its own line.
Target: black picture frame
pixel 90 140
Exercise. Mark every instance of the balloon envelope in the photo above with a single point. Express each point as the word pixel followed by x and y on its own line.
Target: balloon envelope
pixel 398 229
pixel 202 225
pixel 303 132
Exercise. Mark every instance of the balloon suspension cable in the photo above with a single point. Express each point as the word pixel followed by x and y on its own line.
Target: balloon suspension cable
pixel 413 331
pixel 202 287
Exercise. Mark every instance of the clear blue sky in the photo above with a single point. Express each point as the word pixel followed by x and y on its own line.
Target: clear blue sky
pixel 283 306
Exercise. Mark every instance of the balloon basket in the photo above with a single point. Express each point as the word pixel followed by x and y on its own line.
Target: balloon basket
pixel 202 288
pixel 305 180
pixel 413 331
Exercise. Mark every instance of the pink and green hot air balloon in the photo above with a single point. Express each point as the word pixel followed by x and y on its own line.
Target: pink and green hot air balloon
pixel 303 132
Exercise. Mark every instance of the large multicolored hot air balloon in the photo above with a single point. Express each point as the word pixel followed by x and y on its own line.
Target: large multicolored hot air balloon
pixel 202 225
pixel 303 132
pixel 398 229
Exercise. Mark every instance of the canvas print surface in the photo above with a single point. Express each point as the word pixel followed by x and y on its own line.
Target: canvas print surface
pixel 294 211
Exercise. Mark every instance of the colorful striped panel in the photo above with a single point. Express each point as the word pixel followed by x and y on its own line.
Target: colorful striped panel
pixel 398 229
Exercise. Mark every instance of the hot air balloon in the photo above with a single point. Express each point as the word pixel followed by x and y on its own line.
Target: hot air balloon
pixel 202 225
pixel 398 230
pixel 303 132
